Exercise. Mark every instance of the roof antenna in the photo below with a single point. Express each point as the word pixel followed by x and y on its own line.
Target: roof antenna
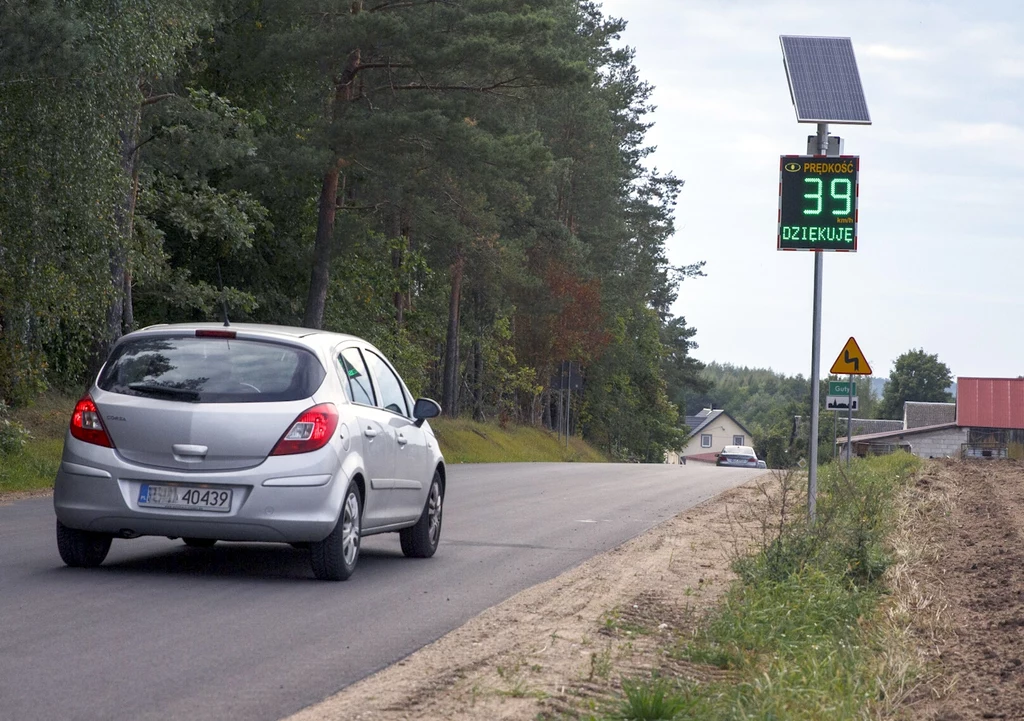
pixel 223 300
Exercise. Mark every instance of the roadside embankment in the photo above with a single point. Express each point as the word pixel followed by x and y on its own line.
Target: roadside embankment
pixel 735 609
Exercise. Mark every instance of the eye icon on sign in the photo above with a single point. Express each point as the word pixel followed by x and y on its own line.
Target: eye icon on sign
pixel 793 167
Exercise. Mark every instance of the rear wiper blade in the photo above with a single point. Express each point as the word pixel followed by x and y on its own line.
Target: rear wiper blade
pixel 157 389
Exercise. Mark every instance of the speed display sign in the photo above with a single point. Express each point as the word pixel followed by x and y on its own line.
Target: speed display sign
pixel 818 202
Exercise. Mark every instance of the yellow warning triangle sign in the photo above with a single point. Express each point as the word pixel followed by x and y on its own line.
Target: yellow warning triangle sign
pixel 851 361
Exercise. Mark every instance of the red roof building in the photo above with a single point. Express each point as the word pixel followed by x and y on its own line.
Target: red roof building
pixel 990 403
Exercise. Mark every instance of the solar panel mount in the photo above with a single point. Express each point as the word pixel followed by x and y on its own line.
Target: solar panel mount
pixel 823 80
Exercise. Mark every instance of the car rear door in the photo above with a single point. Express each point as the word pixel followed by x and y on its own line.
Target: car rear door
pixel 412 474
pixel 376 437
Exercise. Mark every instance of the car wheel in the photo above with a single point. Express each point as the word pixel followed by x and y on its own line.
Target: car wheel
pixel 420 541
pixel 334 558
pixel 82 549
pixel 199 542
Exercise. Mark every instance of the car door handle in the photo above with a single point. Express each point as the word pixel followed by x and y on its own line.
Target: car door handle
pixel 402 440
pixel 370 432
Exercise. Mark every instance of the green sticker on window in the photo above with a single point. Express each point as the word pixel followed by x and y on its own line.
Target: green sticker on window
pixel 352 372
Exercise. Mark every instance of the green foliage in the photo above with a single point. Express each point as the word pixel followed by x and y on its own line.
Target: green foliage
pixel 159 160
pixel 13 435
pixel 627 409
pixel 915 376
pixel 72 78
pixel 796 626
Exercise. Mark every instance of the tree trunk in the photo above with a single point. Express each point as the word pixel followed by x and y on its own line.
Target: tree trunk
pixel 397 261
pixel 450 392
pixel 124 216
pixel 316 301
pixel 321 273
pixel 478 382
pixel 128 309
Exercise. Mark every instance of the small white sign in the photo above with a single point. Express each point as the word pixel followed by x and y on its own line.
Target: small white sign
pixel 840 403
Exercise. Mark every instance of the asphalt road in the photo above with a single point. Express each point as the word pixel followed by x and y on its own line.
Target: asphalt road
pixel 243 631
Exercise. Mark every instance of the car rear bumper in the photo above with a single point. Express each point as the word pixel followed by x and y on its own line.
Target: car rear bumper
pixel 96 490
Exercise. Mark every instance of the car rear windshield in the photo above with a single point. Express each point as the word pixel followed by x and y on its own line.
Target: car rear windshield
pixel 211 370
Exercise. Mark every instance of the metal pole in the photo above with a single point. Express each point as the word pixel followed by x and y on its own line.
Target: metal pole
pixel 849 422
pixel 812 474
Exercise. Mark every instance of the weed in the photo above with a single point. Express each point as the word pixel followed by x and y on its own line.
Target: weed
pixel 653 700
pixel 600 664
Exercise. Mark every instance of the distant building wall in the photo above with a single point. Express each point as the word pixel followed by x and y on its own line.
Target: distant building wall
pixel 938 444
pixel 722 431
pixel 866 425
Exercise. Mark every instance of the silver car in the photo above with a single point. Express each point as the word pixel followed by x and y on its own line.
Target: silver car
pixel 737 456
pixel 208 432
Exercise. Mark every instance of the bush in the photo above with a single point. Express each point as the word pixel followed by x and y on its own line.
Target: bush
pixel 13 435
pixel 848 537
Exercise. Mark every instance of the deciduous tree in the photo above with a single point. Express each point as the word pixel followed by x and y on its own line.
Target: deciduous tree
pixel 916 376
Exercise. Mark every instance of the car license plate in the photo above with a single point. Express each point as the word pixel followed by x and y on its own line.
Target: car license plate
pixel 186 498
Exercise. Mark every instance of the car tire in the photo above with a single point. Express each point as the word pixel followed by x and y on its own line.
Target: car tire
pixel 421 540
pixel 199 542
pixel 335 557
pixel 82 549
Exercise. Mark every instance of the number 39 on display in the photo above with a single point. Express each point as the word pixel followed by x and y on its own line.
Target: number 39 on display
pixel 840 190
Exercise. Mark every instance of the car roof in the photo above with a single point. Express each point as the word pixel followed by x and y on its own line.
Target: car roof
pixel 739 450
pixel 265 329
pixel 293 331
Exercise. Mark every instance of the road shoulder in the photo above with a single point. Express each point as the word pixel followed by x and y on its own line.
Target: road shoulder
pixel 565 644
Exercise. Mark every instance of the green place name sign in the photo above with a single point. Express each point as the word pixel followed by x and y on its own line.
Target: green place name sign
pixel 818 202
pixel 841 388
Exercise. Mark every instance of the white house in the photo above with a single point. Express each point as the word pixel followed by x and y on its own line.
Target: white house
pixel 711 430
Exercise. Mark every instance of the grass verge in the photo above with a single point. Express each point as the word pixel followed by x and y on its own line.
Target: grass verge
pixel 466 441
pixel 30 462
pixel 803 629
pixel 32 468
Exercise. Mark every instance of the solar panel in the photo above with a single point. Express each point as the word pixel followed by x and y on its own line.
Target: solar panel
pixel 823 80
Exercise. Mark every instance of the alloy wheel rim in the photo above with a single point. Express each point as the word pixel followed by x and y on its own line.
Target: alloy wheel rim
pixel 434 513
pixel 350 530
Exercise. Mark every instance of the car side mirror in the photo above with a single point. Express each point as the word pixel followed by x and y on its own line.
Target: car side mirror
pixel 425 408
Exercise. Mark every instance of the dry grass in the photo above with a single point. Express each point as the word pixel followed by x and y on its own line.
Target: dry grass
pixel 915 617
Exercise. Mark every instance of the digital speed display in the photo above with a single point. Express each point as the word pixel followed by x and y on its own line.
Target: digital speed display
pixel 818 202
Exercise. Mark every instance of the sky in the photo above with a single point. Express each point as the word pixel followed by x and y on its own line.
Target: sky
pixel 940 260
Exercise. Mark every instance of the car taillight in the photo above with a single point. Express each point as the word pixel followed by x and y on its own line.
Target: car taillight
pixel 310 432
pixel 86 424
